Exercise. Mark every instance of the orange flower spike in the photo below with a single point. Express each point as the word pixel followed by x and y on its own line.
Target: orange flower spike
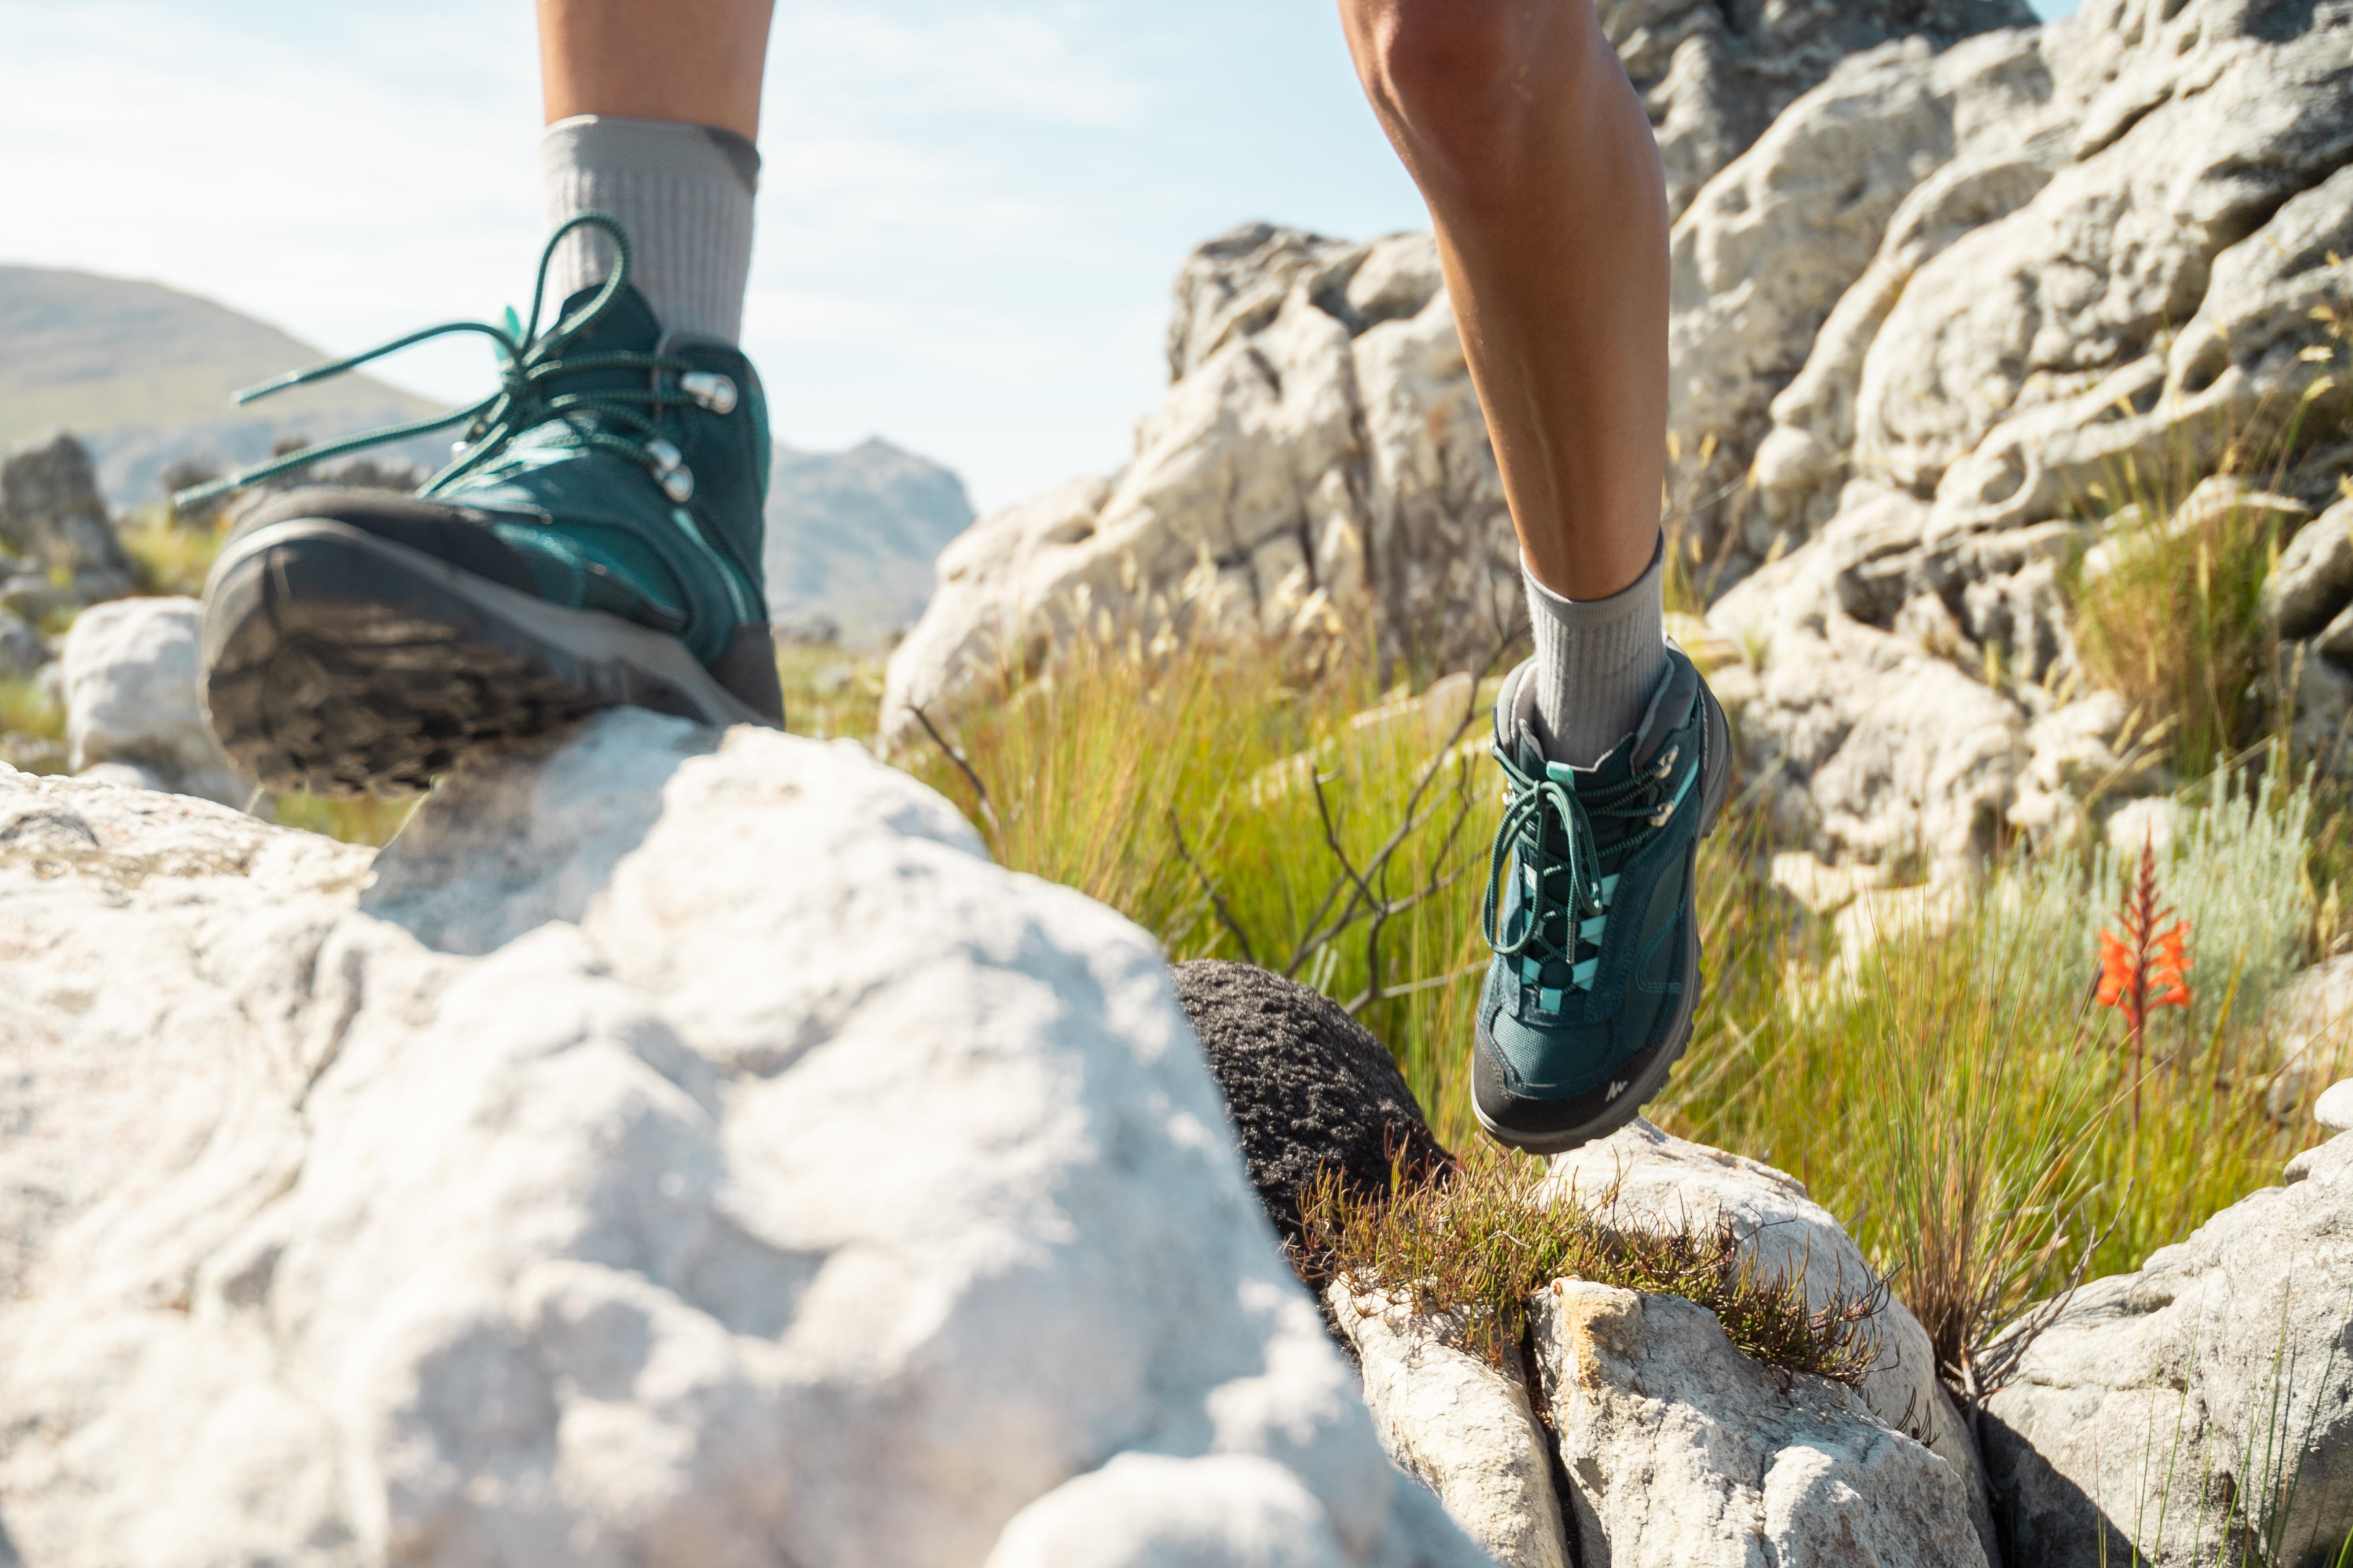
pixel 2170 967
pixel 2116 969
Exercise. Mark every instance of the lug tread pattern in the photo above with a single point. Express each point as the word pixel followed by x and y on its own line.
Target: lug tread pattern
pixel 345 696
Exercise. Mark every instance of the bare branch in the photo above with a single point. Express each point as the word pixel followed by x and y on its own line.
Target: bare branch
pixel 988 811
pixel 1216 900
pixel 1367 998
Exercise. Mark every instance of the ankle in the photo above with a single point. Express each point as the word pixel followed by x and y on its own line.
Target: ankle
pixel 683 195
pixel 1597 662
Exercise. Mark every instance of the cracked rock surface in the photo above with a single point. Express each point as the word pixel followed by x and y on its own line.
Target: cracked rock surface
pixel 1928 291
pixel 679 1149
pixel 2201 1409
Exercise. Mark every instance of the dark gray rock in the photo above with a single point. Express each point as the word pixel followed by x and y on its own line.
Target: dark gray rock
pixel 1308 1087
pixel 21 649
pixel 51 513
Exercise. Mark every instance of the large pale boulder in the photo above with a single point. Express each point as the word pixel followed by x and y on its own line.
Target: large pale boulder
pixel 2313 580
pixel 2202 1409
pixel 134 712
pixel 675 1148
pixel 1321 456
pixel 1682 1453
pixel 1642 1178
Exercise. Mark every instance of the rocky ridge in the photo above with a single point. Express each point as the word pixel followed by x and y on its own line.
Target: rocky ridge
pixel 1942 296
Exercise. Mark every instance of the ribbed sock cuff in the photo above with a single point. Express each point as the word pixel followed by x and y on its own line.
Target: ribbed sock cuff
pixel 683 192
pixel 1598 663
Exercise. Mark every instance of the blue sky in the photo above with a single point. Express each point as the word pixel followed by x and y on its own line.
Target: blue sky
pixel 969 215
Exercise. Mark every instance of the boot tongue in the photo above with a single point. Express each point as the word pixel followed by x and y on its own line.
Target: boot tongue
pixel 627 326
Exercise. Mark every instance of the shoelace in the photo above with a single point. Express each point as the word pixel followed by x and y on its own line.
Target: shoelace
pixel 610 419
pixel 1582 910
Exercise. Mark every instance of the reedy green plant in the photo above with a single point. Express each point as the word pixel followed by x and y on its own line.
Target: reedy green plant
pixel 1960 1106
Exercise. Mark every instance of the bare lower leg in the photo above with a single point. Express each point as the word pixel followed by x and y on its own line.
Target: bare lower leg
pixel 697 61
pixel 1517 122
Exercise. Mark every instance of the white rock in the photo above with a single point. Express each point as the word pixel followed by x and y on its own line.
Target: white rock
pixel 2314 578
pixel 2334 1108
pixel 1462 1427
pixel 2323 729
pixel 1711 80
pixel 1683 1453
pixel 749 1171
pixel 1642 1178
pixel 1822 889
pixel 132 702
pixel 1818 194
pixel 2167 1407
pixel 2141 823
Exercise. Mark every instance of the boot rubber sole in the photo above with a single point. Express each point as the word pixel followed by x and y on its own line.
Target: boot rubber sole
pixel 343 664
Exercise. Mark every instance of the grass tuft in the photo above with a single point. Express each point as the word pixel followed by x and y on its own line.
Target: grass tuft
pixel 2168 612
pixel 1478 1243
pixel 362 819
pixel 167 556
pixel 28 710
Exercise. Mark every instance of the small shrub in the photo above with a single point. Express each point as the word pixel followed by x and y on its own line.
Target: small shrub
pixel 170 556
pixel 27 709
pixel 1479 1244
pixel 2176 622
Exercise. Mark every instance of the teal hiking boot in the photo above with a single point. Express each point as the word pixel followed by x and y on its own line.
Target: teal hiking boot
pixel 1589 910
pixel 594 542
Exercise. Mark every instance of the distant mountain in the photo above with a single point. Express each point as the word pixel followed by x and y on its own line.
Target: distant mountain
pixel 852 535
pixel 141 374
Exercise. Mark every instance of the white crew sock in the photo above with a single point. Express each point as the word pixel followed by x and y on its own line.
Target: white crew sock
pixel 1598 663
pixel 683 192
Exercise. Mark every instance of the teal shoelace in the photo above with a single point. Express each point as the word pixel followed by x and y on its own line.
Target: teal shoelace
pixel 611 419
pixel 1568 890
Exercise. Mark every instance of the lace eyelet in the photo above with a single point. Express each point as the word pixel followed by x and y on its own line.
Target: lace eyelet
pixel 709 389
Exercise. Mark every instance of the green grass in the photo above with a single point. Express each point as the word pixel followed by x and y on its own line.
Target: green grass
pixel 1961 1106
pixel 169 556
pixel 1476 1245
pixel 829 692
pixel 2175 620
pixel 25 709
pixel 362 819
pixel 2176 624
pixel 32 728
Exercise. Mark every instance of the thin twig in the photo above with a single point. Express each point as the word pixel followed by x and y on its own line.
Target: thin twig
pixel 1216 900
pixel 981 790
pixel 1430 983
